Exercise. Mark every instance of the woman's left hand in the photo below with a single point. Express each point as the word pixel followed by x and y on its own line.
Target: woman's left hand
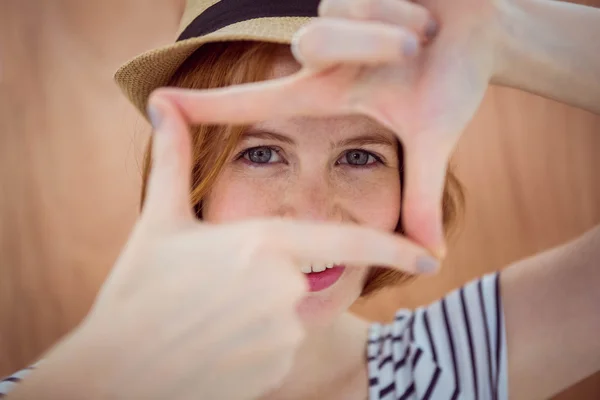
pixel 386 59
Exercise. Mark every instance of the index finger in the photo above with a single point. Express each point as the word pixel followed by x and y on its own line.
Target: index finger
pixel 345 244
pixel 249 103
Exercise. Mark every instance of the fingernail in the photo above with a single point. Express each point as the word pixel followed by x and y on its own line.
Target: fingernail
pixel 411 45
pixel 155 116
pixel 431 29
pixel 427 264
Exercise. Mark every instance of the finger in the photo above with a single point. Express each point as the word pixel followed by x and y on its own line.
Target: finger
pixel 296 95
pixel 425 174
pixel 411 16
pixel 167 196
pixel 342 244
pixel 288 286
pixel 333 41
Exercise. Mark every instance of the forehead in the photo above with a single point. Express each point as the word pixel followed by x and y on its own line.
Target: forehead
pixel 284 64
pixel 329 128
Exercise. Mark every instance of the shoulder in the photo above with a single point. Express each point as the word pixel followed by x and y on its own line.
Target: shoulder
pixel 453 348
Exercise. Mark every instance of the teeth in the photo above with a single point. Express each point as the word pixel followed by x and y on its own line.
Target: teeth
pixel 307 269
pixel 319 268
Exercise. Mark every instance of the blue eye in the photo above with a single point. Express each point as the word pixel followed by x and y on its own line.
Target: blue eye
pixel 358 158
pixel 261 155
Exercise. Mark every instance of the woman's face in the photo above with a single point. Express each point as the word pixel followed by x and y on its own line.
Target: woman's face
pixel 339 169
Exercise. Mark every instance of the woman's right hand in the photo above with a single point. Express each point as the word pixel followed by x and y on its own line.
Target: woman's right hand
pixel 193 310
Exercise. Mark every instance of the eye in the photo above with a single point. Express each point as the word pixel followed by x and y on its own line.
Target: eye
pixel 261 155
pixel 358 158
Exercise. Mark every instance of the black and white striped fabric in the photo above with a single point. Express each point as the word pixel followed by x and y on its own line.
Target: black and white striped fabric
pixel 452 349
pixel 7 384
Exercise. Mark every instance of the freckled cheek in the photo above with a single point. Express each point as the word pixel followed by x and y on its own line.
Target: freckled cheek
pixel 234 199
pixel 373 202
pixel 371 199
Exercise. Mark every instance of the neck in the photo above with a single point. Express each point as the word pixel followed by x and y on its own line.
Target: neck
pixel 330 363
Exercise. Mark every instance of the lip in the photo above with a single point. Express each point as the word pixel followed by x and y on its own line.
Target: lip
pixel 318 281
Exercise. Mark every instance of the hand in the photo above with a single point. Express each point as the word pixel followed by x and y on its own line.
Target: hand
pixel 193 310
pixel 353 63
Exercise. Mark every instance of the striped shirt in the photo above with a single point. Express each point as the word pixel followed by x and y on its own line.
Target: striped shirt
pixel 452 349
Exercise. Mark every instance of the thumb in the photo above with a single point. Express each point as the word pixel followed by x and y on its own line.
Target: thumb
pixel 167 196
pixel 425 175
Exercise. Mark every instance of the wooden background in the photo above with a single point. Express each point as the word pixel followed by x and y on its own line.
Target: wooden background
pixel 69 174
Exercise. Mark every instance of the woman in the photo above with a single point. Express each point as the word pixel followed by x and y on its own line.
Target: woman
pixel 335 169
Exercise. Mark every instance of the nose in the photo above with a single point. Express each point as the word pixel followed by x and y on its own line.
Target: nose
pixel 312 199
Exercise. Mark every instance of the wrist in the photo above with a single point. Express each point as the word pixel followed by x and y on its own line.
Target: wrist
pixel 71 370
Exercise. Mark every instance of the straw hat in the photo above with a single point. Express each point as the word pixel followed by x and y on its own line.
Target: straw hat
pixel 206 21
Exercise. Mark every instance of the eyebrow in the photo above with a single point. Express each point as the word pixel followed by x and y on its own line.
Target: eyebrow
pixel 374 138
pixel 264 134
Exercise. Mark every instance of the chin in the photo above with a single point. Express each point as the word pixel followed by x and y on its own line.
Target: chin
pixel 315 310
pixel 322 308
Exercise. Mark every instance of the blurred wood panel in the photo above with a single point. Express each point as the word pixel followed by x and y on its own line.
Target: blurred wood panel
pixel 69 153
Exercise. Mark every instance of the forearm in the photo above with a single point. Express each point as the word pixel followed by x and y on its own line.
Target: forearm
pixel 551 48
pixel 551 303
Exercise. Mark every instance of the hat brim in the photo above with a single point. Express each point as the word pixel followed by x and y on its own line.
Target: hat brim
pixel 155 68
